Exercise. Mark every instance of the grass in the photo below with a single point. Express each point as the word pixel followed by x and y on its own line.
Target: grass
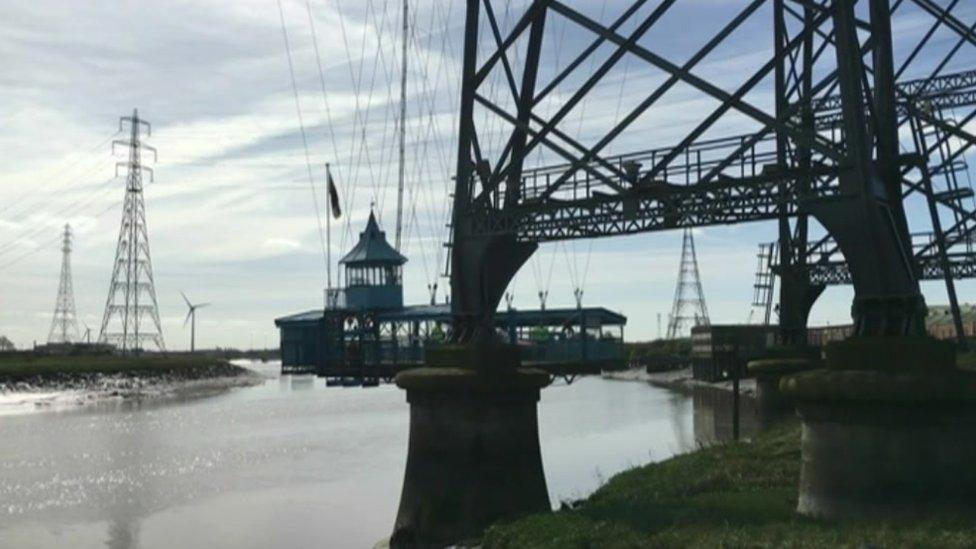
pixel 966 360
pixel 18 367
pixel 736 495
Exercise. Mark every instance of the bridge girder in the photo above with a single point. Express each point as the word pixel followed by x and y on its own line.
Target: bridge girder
pixel 788 168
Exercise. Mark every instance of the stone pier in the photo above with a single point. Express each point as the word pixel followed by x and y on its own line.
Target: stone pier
pixel 889 428
pixel 769 372
pixel 473 456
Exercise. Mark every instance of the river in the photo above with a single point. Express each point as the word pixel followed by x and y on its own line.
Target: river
pixel 289 462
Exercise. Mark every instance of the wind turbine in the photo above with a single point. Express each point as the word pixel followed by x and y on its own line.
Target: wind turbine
pixel 87 333
pixel 191 317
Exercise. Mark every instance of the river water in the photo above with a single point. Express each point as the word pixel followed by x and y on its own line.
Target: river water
pixel 290 463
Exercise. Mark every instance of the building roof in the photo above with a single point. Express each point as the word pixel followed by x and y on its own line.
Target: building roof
pixel 442 313
pixel 308 316
pixel 561 317
pixel 373 248
pixel 438 312
pixel 548 317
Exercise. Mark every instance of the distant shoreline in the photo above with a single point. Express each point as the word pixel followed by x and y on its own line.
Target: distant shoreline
pixel 681 381
pixel 33 383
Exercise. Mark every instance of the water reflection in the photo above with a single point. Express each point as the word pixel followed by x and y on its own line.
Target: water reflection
pixel 678 410
pixel 302 383
pixel 125 505
pixel 123 529
pixel 290 463
pixel 713 416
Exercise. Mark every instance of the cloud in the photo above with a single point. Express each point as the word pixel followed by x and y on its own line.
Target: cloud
pixel 231 216
pixel 281 244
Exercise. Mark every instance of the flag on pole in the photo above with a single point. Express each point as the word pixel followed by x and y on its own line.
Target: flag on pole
pixel 333 194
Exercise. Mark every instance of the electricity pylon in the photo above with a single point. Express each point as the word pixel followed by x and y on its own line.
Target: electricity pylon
pixel 131 312
pixel 64 325
pixel 689 299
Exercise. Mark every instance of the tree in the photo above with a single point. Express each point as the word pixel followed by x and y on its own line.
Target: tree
pixel 6 344
pixel 539 334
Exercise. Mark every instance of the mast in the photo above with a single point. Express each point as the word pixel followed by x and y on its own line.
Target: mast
pixel 403 126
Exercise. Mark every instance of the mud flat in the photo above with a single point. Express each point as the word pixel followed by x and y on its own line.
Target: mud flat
pixel 29 383
pixel 681 381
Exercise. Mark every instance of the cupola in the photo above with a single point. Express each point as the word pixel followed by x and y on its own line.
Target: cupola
pixel 374 271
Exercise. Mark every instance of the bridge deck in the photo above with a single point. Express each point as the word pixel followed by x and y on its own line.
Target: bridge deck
pixel 713 182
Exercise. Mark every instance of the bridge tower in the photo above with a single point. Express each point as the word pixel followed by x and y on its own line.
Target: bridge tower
pixel 689 307
pixel 848 181
pixel 784 167
pixel 64 325
pixel 131 316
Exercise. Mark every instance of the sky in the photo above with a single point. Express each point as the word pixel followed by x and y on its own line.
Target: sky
pixel 231 211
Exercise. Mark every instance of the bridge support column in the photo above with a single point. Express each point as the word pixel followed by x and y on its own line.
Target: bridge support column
pixel 474 455
pixel 889 428
pixel 769 372
pixel 796 298
pixel 889 424
pixel 482 268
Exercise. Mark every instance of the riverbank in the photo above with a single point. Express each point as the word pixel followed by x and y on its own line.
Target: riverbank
pixel 681 381
pixel 35 382
pixel 733 495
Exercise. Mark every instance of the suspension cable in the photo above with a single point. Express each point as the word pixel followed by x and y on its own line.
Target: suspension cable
pixel 301 125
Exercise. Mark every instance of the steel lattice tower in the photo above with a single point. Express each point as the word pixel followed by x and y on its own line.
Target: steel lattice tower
pixel 131 312
pixel 64 325
pixel 823 115
pixel 689 299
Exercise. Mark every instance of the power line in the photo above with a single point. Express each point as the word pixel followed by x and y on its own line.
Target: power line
pixel 83 157
pixel 27 205
pixel 45 244
pixel 301 125
pixel 72 208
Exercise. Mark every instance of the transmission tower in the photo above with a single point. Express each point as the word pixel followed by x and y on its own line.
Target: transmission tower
pixel 131 312
pixel 64 325
pixel 689 299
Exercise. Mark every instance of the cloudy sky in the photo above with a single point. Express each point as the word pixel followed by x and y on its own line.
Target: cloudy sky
pixel 231 212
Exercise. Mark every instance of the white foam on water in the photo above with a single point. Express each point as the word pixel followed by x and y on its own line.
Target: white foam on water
pixel 16 403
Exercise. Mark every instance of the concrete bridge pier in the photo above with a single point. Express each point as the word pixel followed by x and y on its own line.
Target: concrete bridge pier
pixel 889 428
pixel 474 456
pixel 769 372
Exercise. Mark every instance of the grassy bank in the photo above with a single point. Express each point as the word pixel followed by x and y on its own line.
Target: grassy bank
pixel 24 366
pixel 967 360
pixel 736 495
pixel 660 355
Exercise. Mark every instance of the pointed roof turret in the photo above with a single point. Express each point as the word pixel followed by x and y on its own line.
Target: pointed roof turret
pixel 372 248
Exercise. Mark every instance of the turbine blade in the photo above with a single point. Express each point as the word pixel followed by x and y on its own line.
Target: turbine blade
pixel 187 300
pixel 188 315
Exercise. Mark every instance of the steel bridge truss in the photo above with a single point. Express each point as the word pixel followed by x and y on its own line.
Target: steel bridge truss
pixel 702 186
pixel 825 145
pixel 928 109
